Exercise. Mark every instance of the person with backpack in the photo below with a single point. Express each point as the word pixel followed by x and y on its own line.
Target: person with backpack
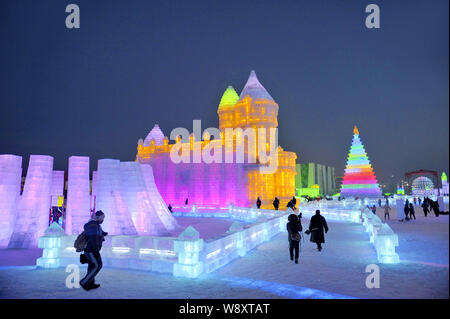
pixel 294 226
pixel 94 237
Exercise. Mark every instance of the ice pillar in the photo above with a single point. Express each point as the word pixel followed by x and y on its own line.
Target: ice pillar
pixel 10 180
pixel 34 205
pixel 109 200
pixel 57 186
pixel 78 198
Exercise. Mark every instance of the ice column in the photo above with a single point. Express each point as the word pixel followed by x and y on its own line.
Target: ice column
pixel 78 198
pixel 147 208
pixel 57 186
pixel 10 180
pixel 160 212
pixel 118 219
pixel 34 205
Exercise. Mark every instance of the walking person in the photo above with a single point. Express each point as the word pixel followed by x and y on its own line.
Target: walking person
pixel 276 203
pixel 411 211
pixel 435 206
pixel 94 238
pixel 374 209
pixel 379 202
pixel 294 202
pixel 425 208
pixel 317 225
pixel 258 203
pixel 386 212
pixel 406 210
pixel 294 226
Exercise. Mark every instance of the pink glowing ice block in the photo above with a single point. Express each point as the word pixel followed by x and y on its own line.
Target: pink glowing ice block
pixel 32 214
pixel 10 179
pixel 109 199
pixel 78 197
pixel 160 220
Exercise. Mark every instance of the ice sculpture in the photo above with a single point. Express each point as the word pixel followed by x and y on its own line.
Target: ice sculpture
pixel 10 180
pixel 51 243
pixel 57 186
pixel 34 205
pixel 118 218
pixel 78 198
pixel 148 210
pixel 359 178
pixel 219 184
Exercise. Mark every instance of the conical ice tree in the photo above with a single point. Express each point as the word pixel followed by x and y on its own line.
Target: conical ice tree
pixel 359 178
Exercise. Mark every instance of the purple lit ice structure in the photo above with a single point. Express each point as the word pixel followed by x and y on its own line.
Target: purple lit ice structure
pixel 78 197
pixel 118 218
pixel 10 179
pixel 215 184
pixel 34 205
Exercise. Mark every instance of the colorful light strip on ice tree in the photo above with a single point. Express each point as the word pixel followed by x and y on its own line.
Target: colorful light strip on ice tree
pixel 359 178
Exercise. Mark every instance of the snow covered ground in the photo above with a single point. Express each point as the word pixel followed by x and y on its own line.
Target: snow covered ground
pixel 266 272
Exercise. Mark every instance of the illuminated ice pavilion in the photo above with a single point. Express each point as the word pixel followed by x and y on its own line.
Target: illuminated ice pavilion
pixel 219 184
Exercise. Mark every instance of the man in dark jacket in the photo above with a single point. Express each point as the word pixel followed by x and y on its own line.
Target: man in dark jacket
pixel 294 226
pixel 425 208
pixel 316 227
pixel 94 238
pixel 276 203
pixel 435 206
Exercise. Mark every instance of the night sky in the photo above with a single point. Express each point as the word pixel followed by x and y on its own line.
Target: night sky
pixel 96 90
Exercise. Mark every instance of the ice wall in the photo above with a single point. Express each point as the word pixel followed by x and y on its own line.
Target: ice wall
pixel 161 220
pixel 10 180
pixel 34 206
pixel 78 197
pixel 118 218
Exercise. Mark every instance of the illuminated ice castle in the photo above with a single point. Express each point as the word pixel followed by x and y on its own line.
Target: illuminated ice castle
pixel 219 184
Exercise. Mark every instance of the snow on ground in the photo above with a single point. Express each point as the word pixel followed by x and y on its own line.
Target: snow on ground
pixel 266 272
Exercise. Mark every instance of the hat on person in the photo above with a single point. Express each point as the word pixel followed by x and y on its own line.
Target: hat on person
pixel 99 213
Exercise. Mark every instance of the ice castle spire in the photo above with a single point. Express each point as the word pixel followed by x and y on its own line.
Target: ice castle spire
pixel 254 89
pixel 155 134
pixel 229 97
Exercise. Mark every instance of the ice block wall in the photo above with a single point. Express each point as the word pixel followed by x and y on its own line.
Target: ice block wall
pixel 34 205
pixel 57 186
pixel 10 180
pixel 118 218
pixel 78 197
pixel 161 219
pixel 215 184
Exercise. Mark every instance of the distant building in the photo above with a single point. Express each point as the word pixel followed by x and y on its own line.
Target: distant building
pixel 311 174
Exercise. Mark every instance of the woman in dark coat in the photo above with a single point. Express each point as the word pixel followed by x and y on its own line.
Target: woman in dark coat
pixel 316 226
pixel 425 208
pixel 406 209
pixel 294 226
pixel 412 213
